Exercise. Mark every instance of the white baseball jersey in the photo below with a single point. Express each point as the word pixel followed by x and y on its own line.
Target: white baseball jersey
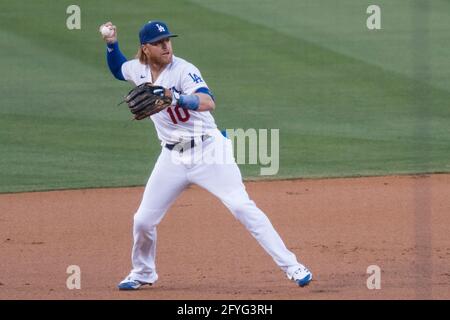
pixel 174 123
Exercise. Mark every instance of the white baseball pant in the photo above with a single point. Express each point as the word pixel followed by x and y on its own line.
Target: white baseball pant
pixel 172 173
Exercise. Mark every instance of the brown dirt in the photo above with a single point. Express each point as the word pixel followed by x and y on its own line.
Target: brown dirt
pixel 338 227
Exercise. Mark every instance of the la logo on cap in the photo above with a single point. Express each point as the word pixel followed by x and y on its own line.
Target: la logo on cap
pixel 160 28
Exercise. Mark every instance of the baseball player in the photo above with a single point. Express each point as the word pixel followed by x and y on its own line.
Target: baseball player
pixel 186 125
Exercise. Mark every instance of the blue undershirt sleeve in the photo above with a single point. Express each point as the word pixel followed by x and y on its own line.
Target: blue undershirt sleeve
pixel 115 60
pixel 205 90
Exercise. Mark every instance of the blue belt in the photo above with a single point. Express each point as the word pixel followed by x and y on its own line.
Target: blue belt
pixel 186 144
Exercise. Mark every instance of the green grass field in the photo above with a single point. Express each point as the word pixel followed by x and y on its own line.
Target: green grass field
pixel 348 101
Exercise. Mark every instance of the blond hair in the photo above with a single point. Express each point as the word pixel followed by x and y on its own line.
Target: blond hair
pixel 142 56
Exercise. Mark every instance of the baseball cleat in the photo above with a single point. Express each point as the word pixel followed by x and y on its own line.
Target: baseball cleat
pixel 130 284
pixel 302 276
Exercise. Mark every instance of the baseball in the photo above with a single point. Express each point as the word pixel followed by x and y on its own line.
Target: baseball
pixel 106 31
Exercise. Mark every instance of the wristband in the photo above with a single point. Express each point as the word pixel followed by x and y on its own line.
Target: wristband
pixel 191 101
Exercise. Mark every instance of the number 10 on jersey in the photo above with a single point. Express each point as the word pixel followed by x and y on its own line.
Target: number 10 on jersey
pixel 178 114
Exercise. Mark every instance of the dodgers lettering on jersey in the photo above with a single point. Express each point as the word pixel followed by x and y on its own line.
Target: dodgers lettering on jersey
pixel 174 123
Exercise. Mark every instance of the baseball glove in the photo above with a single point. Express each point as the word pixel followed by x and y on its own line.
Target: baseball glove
pixel 146 99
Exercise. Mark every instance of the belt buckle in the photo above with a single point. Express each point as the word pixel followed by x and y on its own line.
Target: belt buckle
pixel 183 145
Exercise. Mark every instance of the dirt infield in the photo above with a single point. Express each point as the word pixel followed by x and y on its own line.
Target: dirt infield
pixel 338 227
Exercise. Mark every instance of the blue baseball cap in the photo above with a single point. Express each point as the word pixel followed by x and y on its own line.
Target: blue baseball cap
pixel 154 31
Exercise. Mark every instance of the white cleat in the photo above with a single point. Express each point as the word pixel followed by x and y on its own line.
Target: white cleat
pixel 130 284
pixel 302 276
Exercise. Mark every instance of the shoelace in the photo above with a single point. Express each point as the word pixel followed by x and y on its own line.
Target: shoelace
pixel 300 271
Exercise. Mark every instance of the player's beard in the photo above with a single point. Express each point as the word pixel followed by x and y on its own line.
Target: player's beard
pixel 161 60
pixel 166 58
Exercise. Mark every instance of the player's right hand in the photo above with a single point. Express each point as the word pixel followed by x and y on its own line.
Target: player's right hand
pixel 113 37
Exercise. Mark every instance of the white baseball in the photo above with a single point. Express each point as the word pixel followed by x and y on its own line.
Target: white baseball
pixel 106 31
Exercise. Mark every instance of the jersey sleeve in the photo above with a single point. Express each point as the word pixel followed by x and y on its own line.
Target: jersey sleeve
pixel 191 80
pixel 129 70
